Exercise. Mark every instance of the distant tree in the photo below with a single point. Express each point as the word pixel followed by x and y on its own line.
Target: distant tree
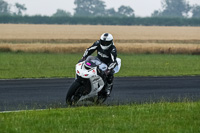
pixel 61 13
pixel 125 11
pixel 173 8
pixel 20 8
pixel 111 12
pixel 196 11
pixel 156 13
pixel 4 8
pixel 89 8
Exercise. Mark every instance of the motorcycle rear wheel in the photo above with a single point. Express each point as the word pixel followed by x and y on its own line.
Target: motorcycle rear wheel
pixel 101 100
pixel 102 96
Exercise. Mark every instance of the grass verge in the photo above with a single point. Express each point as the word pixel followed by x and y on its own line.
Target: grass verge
pixel 44 65
pixel 155 117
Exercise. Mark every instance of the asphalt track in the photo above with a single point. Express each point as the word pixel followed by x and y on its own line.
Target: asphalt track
pixel 50 93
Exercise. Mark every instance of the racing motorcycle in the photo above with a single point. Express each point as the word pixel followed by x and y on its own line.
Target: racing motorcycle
pixel 90 81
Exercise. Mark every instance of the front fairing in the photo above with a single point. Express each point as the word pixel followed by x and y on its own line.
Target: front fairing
pixel 83 72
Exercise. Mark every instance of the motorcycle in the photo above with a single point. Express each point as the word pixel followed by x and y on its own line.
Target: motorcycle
pixel 90 81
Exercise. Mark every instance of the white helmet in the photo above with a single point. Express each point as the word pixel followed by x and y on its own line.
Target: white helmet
pixel 106 41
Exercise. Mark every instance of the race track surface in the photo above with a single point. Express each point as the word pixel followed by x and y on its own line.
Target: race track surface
pixel 50 93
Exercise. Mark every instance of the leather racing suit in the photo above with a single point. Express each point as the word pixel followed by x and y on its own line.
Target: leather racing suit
pixel 106 56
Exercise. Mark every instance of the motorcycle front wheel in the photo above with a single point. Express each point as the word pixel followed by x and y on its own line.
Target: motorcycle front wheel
pixel 73 94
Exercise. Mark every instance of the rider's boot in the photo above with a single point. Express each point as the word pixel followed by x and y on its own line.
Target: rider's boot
pixel 108 89
pixel 109 84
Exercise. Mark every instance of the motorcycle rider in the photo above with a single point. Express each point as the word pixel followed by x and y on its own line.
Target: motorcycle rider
pixel 107 53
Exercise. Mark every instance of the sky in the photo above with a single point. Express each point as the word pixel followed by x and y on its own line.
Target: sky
pixel 142 8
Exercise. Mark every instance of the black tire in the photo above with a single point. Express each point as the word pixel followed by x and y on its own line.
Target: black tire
pixel 102 96
pixel 72 94
pixel 101 99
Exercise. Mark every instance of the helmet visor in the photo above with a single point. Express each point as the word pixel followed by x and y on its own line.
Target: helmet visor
pixel 105 43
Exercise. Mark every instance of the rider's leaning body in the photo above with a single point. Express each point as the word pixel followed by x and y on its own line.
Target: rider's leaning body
pixel 107 53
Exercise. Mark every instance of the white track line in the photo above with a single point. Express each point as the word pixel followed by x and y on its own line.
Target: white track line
pixel 14 111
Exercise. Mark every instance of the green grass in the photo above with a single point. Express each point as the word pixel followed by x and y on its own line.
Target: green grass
pixel 37 65
pixel 45 65
pixel 160 65
pixel 161 117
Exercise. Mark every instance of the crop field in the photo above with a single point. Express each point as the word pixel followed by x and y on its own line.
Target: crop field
pixel 76 38
pixel 78 32
pixel 139 48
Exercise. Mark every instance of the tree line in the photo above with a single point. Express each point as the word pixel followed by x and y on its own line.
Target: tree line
pixel 170 8
pixel 177 8
pixel 99 20
pixel 172 12
pixel 88 8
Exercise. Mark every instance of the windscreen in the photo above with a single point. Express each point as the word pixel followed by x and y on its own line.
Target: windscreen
pixel 92 61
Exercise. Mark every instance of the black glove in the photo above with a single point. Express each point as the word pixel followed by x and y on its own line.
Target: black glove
pixel 83 58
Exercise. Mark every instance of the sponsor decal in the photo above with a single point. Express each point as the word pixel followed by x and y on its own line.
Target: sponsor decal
pixel 88 64
pixel 103 55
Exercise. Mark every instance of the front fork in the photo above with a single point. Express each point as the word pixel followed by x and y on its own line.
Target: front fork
pixel 85 85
